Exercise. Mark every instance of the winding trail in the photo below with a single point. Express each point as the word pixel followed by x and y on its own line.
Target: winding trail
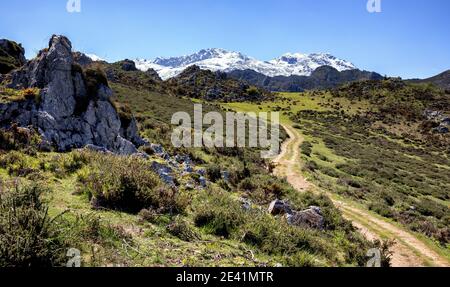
pixel 408 251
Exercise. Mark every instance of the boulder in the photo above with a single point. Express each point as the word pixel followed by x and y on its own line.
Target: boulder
pixel 309 218
pixel 441 130
pixel 225 176
pixel 279 207
pixel 203 182
pixel 164 172
pixel 188 168
pixel 246 204
pixel 68 115
pixel 128 65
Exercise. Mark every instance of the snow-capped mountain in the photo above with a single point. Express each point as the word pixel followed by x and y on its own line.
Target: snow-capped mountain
pixel 95 58
pixel 227 61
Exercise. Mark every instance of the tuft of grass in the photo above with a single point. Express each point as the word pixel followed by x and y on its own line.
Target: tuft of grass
pixel 94 77
pixel 28 237
pixel 8 95
pixel 181 228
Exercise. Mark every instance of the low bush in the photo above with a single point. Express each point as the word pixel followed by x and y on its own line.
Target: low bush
pixel 382 209
pixel 213 172
pixel 28 236
pixel 94 77
pixel 17 138
pixel 181 229
pixel 306 148
pixel 92 228
pixel 263 188
pixel 128 184
pixel 429 207
pixel 218 214
pixel 17 164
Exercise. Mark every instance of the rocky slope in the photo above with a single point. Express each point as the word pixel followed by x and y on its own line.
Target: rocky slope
pixel 323 77
pixel 71 107
pixel 202 84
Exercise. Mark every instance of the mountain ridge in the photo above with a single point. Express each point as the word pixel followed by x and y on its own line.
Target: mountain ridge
pixel 322 78
pixel 216 59
pixel 441 80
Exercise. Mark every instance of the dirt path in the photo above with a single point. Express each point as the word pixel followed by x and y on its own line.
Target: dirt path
pixel 408 252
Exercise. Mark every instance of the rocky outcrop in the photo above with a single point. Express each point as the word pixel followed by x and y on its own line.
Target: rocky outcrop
pixel 81 59
pixel 309 218
pixel 128 65
pixel 441 122
pixel 211 86
pixel 12 56
pixel 278 207
pixel 73 108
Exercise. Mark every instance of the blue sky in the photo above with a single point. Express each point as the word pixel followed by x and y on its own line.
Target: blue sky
pixel 409 38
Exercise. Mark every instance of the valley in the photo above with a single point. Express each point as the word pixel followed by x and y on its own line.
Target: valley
pixel 86 156
pixel 305 151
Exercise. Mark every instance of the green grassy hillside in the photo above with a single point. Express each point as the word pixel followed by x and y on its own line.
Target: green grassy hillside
pixel 118 212
pixel 371 142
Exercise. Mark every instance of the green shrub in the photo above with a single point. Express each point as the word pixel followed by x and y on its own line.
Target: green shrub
pixel 17 164
pixel 28 237
pixel 93 229
pixel 263 188
pixel 429 207
pixel 181 229
pixel 94 77
pixel 128 184
pixel 218 214
pixel 311 166
pixel 213 172
pixel 63 165
pixel 301 259
pixel 382 209
pixel 16 138
pixel 306 148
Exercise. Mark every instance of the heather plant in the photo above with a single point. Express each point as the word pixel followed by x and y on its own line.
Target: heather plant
pixel 28 236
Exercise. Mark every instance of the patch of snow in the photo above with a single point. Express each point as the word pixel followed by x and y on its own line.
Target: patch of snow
pixel 95 58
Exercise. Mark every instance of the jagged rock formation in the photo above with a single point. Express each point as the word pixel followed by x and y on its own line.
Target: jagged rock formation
pixel 81 59
pixel 128 65
pixel 73 108
pixel 12 56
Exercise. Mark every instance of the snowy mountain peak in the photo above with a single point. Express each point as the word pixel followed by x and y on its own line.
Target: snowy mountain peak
pixel 95 58
pixel 216 59
pixel 202 55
